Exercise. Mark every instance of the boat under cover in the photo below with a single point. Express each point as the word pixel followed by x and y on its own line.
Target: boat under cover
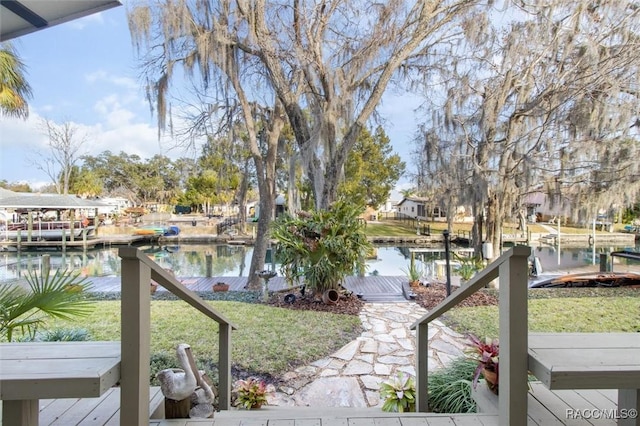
pixel 46 230
pixel 590 279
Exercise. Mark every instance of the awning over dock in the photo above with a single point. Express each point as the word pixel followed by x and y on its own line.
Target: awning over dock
pixel 39 201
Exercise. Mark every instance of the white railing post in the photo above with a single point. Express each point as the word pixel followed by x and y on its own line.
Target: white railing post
pixel 513 313
pixel 422 367
pixel 135 341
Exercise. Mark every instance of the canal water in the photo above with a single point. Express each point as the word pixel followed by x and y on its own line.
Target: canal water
pixel 190 260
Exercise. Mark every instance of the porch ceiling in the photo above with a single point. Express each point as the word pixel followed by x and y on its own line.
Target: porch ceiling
pixel 20 17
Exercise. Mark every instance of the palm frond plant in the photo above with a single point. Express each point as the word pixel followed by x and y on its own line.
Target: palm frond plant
pixel 468 266
pixel 322 247
pixel 62 295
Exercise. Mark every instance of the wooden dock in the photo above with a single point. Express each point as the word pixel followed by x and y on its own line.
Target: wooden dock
pixel 372 288
pixel 81 244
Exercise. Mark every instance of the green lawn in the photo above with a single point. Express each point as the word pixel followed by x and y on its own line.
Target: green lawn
pixel 391 228
pixel 269 340
pixel 272 341
pixel 564 314
pixel 401 228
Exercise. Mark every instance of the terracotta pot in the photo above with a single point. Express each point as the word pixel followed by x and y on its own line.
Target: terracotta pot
pixel 73 288
pixel 330 297
pixel 491 377
pixel 220 287
pixel 256 406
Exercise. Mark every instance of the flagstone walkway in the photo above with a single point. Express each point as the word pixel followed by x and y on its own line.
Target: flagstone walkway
pixel 351 376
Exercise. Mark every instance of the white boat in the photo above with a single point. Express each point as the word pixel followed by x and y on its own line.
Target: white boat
pixel 45 230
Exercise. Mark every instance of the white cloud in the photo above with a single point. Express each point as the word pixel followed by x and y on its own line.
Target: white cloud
pixel 21 133
pixel 111 109
pixel 134 139
pixel 96 76
pixel 115 131
pixel 102 76
pixel 80 24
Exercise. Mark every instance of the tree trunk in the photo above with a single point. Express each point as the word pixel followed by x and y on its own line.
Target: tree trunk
pixel 293 195
pixel 262 241
pixel 476 230
pixel 242 199
pixel 491 226
pixel 498 222
pixel 522 220
pixel 266 174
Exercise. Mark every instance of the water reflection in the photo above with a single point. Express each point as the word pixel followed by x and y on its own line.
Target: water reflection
pixel 190 260
pixel 555 258
pixel 187 260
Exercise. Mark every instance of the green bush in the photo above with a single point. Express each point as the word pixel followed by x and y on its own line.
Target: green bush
pixel 322 247
pixel 163 360
pixel 450 388
pixel 64 335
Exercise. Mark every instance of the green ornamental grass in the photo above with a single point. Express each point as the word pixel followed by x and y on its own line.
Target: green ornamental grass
pixel 450 387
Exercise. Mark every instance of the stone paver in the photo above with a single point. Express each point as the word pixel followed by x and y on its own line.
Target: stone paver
pixel 351 376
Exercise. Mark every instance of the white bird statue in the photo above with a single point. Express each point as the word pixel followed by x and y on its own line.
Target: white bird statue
pixel 202 401
pixel 175 383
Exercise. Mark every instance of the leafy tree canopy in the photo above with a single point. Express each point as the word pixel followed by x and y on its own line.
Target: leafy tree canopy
pixel 371 170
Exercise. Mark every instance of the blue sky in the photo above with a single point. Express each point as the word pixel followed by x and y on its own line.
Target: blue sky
pixel 84 72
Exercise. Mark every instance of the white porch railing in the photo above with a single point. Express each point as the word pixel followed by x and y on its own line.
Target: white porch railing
pixel 137 272
pixel 512 270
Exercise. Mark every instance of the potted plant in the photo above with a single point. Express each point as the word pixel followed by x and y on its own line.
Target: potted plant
pixel 322 247
pixel 251 393
pixel 399 394
pixel 413 274
pixel 220 286
pixel 486 352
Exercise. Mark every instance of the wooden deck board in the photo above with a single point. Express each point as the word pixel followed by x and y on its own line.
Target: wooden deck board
pixel 553 407
pixel 379 419
pixel 546 407
pixel 102 411
pixel 560 401
pixel 334 417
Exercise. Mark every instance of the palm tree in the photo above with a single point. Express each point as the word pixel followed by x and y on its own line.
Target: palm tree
pixel 62 295
pixel 408 192
pixel 14 88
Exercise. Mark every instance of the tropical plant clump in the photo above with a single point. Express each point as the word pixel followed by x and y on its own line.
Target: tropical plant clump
pixel 62 295
pixel 251 392
pixel 399 394
pixel 486 353
pixel 322 247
